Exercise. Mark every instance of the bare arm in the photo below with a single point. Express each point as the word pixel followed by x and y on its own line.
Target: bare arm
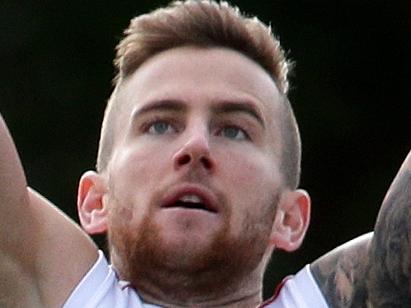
pixel 389 279
pixel 340 273
pixel 12 193
pixel 374 270
pixel 38 244
pixel 16 267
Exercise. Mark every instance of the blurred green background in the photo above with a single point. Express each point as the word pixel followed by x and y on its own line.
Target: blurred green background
pixel 350 91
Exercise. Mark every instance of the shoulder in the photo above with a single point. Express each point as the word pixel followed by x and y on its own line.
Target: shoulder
pixel 101 288
pixel 61 249
pixel 300 290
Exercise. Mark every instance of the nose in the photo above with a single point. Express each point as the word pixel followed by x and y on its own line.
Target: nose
pixel 195 152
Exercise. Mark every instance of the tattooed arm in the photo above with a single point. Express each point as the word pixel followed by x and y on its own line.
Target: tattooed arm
pixel 340 273
pixel 374 270
pixel 388 280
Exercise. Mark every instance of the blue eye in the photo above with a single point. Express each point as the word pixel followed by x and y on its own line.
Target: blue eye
pixel 161 128
pixel 234 133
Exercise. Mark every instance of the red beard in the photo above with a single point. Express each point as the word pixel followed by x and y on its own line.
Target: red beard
pixel 155 267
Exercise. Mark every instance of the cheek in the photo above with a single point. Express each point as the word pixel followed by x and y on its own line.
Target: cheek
pixel 135 173
pixel 140 164
pixel 252 182
pixel 125 213
pixel 251 170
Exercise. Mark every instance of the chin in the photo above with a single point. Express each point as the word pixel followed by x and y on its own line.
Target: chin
pixel 168 253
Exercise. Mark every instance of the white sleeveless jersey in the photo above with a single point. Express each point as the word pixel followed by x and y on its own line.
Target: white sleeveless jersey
pixel 299 291
pixel 101 288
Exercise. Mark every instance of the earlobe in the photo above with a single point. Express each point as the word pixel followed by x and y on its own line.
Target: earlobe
pixel 90 205
pixel 291 220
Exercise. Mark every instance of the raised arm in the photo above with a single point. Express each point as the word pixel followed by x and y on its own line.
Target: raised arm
pixel 374 270
pixel 389 276
pixel 16 268
pixel 38 244
pixel 340 273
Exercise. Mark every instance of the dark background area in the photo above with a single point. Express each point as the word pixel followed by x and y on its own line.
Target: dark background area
pixel 350 92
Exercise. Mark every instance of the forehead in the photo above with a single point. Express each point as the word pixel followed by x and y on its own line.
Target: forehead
pixel 198 76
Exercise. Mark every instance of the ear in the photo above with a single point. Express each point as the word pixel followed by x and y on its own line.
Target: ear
pixel 291 220
pixel 90 205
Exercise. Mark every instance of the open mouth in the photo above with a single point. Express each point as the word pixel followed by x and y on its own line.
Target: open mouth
pixel 189 200
pixel 190 205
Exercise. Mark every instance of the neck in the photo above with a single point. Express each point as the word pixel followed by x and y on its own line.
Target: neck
pixel 173 291
pixel 246 302
pixel 241 297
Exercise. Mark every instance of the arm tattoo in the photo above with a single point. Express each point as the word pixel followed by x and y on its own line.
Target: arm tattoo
pixel 340 273
pixel 388 280
pixel 374 270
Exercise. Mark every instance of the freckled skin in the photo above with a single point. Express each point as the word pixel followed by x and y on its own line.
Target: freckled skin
pixel 375 269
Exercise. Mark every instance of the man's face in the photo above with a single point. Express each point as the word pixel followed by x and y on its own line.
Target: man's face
pixel 194 177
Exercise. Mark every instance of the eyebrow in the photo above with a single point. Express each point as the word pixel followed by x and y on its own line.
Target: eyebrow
pixel 160 105
pixel 239 107
pixel 225 107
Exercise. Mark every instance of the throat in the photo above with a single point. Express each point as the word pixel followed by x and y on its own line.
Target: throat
pixel 236 299
pixel 200 287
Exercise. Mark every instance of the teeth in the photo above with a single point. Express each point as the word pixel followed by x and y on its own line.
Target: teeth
pixel 190 198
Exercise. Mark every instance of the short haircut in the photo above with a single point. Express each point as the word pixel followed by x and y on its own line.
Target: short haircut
pixel 204 24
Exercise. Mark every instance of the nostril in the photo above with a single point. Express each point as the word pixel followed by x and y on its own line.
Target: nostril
pixel 187 159
pixel 206 162
pixel 184 159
